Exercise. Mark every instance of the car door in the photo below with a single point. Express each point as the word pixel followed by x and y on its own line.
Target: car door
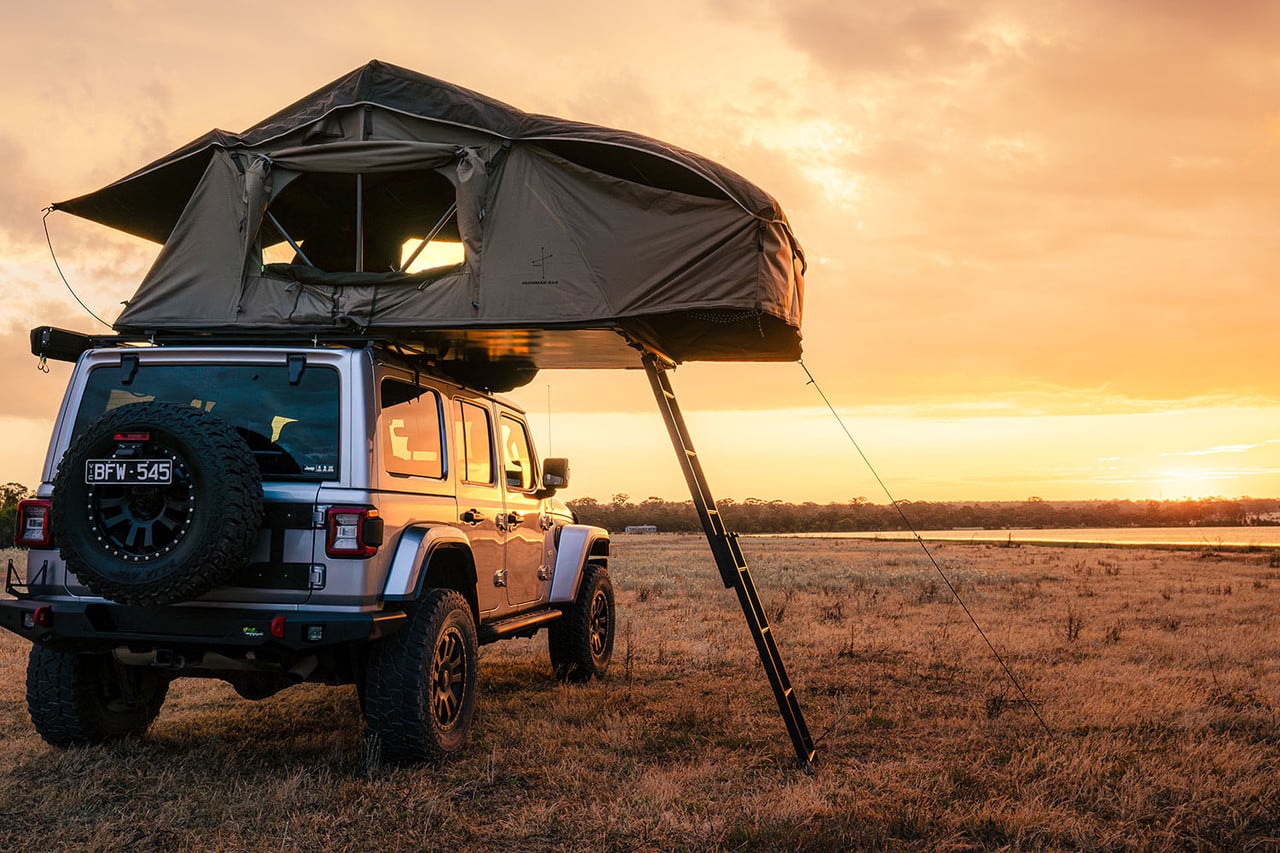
pixel 523 516
pixel 481 512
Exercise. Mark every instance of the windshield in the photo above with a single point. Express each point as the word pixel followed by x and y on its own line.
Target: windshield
pixel 292 429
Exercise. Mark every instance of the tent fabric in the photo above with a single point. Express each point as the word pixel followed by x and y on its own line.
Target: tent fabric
pixel 564 228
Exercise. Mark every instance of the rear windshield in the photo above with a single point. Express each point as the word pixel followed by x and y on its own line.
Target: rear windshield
pixel 291 429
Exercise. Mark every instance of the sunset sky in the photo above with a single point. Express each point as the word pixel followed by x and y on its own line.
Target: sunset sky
pixel 1041 236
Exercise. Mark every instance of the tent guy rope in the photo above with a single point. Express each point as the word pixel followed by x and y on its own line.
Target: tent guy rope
pixel 937 567
pixel 44 220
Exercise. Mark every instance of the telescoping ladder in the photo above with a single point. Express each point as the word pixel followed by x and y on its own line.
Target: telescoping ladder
pixel 729 559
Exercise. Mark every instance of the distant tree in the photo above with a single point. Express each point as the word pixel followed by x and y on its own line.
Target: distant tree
pixel 10 495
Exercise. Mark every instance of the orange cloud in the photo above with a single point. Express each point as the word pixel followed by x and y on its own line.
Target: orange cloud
pixel 1040 209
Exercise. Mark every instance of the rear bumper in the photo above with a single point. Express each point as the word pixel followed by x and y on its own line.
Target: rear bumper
pixel 98 626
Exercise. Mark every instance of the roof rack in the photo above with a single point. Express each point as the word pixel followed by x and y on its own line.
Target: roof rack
pixel 494 376
pixel 50 342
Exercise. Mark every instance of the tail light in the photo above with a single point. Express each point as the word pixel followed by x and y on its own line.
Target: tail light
pixel 352 532
pixel 32 529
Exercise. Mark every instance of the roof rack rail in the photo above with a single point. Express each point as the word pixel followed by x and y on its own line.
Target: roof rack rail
pixel 50 342
pixel 64 345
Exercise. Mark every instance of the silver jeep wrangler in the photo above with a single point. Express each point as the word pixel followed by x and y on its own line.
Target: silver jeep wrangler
pixel 270 515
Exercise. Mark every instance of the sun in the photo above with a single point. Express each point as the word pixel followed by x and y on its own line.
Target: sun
pixel 1176 484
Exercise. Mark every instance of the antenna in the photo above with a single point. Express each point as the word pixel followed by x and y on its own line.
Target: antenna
pixel 548 418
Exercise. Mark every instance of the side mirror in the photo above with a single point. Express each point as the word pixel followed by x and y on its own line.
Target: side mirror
pixel 555 474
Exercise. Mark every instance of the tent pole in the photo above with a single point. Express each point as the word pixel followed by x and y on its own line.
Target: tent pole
pixel 431 235
pixel 729 559
pixel 285 234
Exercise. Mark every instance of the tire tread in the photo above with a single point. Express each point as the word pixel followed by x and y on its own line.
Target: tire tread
pixel 393 695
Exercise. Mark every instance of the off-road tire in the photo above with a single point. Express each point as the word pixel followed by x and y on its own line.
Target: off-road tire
pixel 420 684
pixel 581 641
pixel 81 699
pixel 159 544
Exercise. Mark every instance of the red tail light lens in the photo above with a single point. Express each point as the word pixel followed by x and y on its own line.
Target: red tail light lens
pixel 352 532
pixel 32 529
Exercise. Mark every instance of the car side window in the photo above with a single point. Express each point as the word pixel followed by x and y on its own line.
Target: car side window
pixel 474 440
pixel 410 430
pixel 517 456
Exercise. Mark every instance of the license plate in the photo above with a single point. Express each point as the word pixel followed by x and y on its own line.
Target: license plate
pixel 129 471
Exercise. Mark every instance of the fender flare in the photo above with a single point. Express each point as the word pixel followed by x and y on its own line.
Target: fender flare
pixel 575 546
pixel 412 554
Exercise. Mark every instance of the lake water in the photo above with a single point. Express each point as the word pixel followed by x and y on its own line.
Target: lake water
pixel 1183 537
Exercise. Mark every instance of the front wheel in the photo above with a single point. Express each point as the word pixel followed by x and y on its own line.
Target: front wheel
pixel 581 642
pixel 420 684
pixel 80 699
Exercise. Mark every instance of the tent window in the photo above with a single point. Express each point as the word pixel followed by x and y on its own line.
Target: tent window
pixel 337 218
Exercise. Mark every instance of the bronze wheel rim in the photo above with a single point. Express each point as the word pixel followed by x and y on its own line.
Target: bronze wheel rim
pixel 598 632
pixel 448 677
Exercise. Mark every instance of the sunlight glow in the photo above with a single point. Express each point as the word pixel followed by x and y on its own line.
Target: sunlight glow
pixel 1192 484
pixel 438 253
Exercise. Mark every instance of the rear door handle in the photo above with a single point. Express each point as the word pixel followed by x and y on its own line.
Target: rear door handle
pixel 472 517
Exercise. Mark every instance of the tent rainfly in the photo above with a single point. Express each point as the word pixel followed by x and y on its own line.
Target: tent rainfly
pixel 568 243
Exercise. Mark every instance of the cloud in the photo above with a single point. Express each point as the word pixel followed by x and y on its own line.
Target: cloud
pixel 1223 448
pixel 29 391
pixel 20 202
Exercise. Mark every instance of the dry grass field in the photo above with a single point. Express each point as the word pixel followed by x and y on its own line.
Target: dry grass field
pixel 1157 671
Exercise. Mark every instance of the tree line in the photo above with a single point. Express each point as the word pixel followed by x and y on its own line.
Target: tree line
pixel 754 515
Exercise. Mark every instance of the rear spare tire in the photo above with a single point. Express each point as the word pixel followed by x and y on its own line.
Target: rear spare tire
pixel 155 503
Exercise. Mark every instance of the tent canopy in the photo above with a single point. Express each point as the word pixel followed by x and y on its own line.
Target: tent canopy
pixel 548 243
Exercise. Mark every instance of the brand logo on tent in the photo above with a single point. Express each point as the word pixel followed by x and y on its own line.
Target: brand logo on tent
pixel 540 264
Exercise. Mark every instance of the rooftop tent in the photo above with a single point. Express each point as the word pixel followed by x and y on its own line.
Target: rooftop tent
pixel 565 243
